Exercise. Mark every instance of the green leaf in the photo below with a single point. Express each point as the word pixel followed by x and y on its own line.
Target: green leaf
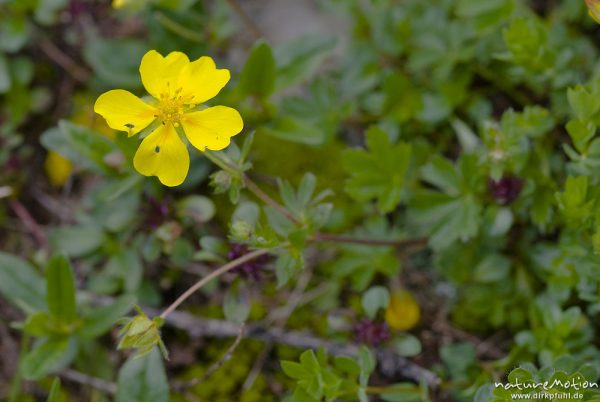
pixel 14 33
pixel 258 75
pixel 573 201
pixel 285 266
pixel 581 133
pixel 300 58
pixel 347 364
pixel 120 72
pixel 403 392
pixel 143 380
pixel 295 130
pixel 21 284
pixel 198 208
pixel 49 356
pixel 379 172
pixel 236 307
pixel 492 268
pixel 295 370
pixel 80 145
pixel 367 363
pixel 441 173
pixel 408 345
pixel 54 391
pixel 61 290
pixel 402 100
pixel 76 241
pixel 526 39
pixel 102 319
pixel 40 324
pixel 374 299
pixel 585 104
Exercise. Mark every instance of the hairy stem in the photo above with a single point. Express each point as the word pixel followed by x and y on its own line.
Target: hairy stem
pixel 250 185
pixel 215 274
pixel 246 20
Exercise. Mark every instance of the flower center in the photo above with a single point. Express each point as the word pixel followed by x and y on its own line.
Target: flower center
pixel 171 108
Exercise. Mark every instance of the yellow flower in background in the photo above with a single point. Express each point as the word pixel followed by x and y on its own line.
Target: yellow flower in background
pixel 58 169
pixel 403 311
pixel 594 9
pixel 177 86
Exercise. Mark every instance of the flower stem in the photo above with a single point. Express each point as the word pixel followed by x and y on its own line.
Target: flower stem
pixel 246 20
pixel 217 160
pixel 225 268
pixel 250 185
pixel 178 29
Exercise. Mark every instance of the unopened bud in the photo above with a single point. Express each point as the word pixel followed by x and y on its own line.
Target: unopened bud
pixel 594 9
pixel 143 334
pixel 221 181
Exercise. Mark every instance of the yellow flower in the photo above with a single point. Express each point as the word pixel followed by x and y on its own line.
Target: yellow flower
pixel 403 312
pixel 594 9
pixel 177 87
pixel 58 169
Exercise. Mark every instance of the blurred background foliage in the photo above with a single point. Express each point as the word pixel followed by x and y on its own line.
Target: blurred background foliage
pixel 454 138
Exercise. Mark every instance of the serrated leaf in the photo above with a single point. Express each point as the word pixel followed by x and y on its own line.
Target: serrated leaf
pixel 377 173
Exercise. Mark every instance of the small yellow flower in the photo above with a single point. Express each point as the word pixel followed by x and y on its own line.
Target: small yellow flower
pixel 58 169
pixel 594 9
pixel 403 312
pixel 177 86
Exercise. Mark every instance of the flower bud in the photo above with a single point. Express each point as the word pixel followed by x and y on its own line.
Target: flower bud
pixel 221 181
pixel 143 334
pixel 241 231
pixel 594 9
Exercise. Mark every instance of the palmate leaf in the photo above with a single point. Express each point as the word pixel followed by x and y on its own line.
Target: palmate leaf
pixel 454 212
pixel 379 172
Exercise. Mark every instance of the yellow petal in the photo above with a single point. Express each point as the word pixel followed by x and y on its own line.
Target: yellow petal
pixel 403 312
pixel 124 111
pixel 212 128
pixel 161 74
pixel 163 154
pixel 201 80
pixel 58 169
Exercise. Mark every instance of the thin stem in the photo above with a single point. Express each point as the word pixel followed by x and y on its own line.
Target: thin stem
pixel 100 384
pixel 246 20
pixel 216 365
pixel 250 185
pixel 62 59
pixel 29 222
pixel 217 160
pixel 369 242
pixel 225 268
pixel 178 29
